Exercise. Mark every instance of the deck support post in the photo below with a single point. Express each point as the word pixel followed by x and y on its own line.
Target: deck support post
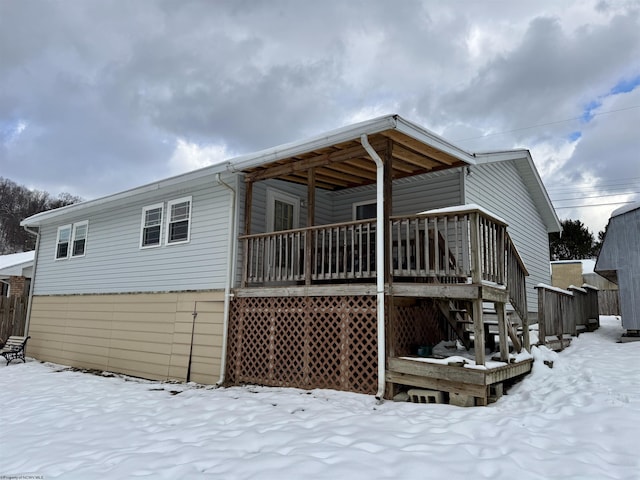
pixel 478 332
pixel 526 342
pixel 476 279
pixel 248 201
pixel 311 217
pixel 502 332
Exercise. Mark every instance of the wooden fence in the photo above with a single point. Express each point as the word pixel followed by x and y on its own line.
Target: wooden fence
pixel 565 313
pixel 609 302
pixel 13 313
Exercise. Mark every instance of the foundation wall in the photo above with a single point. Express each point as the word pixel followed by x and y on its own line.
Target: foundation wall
pixel 145 335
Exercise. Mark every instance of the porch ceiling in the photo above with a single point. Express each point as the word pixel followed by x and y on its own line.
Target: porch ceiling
pixel 347 164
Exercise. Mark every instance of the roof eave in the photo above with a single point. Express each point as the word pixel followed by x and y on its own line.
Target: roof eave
pixel 430 138
pixel 39 218
pixel 333 137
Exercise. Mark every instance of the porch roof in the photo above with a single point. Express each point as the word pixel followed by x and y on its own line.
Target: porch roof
pixel 340 160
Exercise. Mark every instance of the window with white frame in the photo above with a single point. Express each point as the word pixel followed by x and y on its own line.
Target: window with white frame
pixel 283 211
pixel 178 221
pixel 79 239
pixel 151 230
pixel 364 210
pixel 62 242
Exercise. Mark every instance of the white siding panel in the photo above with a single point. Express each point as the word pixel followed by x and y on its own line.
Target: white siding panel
pixel 499 188
pixel 114 263
pixel 259 211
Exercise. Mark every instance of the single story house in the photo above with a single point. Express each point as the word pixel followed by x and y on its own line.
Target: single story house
pixel 619 262
pixel 316 264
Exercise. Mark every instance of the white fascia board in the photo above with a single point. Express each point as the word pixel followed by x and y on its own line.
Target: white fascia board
pixel 524 163
pixel 340 135
pixel 16 259
pixel 345 134
pixel 16 270
pixel 43 217
pixel 426 136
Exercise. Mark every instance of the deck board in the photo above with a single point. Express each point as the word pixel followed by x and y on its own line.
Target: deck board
pixel 447 378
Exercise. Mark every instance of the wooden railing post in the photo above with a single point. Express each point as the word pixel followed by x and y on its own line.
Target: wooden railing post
pixel 501 251
pixel 502 331
pixel 476 254
pixel 248 201
pixel 311 215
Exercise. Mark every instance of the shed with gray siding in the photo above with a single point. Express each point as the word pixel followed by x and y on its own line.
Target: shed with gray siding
pixel 619 262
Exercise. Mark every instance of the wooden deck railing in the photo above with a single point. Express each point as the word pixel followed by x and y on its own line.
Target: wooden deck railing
pixel 343 251
pixel 462 246
pixel 516 279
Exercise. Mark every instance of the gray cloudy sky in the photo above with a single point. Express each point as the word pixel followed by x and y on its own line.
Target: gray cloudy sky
pixel 98 96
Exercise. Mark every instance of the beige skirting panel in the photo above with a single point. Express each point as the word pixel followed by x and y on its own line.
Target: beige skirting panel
pixel 146 335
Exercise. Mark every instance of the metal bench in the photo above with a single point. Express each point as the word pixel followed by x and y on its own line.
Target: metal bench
pixel 14 349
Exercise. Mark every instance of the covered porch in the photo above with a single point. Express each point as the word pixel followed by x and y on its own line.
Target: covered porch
pixel 384 280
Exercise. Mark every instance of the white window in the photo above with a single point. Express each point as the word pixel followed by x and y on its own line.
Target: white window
pixel 364 210
pixel 283 211
pixel 178 221
pixel 62 242
pixel 79 239
pixel 151 230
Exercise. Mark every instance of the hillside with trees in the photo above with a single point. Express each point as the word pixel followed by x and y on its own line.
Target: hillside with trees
pixel 17 202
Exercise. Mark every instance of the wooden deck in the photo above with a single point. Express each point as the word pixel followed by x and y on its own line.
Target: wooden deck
pixel 439 270
pixel 474 382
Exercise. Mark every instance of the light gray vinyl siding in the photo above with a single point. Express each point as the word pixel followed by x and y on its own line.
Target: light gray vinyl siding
pixel 410 195
pixel 499 188
pixel 259 211
pixel 621 253
pixel 114 262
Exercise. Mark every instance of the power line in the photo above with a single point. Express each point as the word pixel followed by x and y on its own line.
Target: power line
pixel 593 196
pixel 547 124
pixel 595 190
pixel 611 183
pixel 594 205
pixel 629 182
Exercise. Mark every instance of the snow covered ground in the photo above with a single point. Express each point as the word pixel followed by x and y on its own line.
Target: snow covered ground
pixel 579 420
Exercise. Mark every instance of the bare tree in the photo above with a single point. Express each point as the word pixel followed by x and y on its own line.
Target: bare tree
pixel 17 202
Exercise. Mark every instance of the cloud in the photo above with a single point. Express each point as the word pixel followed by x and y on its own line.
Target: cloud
pixel 115 94
pixel 189 156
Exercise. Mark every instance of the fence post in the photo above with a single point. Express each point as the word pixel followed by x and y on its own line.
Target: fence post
pixel 541 314
pixel 593 307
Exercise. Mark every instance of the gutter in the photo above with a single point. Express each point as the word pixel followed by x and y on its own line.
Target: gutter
pixel 340 135
pixel 231 249
pixel 27 321
pixel 379 263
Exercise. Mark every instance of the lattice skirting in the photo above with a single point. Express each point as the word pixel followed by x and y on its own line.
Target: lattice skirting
pixel 304 342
